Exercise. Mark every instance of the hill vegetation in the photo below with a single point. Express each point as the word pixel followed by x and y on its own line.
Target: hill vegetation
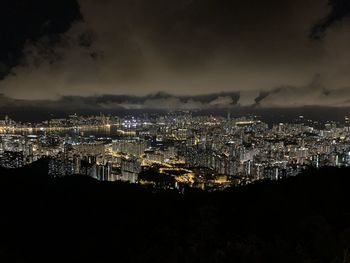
pixel 78 219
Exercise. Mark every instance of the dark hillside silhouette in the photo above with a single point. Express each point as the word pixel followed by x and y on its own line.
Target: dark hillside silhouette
pixel 78 219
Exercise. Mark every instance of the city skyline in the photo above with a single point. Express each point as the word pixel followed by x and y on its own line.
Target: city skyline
pixel 176 150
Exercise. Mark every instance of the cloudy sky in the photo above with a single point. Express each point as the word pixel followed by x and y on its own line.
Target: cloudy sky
pixel 175 54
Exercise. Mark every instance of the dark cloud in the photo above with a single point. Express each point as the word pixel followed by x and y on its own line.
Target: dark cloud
pixel 314 94
pixel 340 9
pixel 23 21
pixel 261 97
pixel 157 101
pixel 260 50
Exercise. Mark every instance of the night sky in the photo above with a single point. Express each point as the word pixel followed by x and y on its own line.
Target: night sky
pixel 183 54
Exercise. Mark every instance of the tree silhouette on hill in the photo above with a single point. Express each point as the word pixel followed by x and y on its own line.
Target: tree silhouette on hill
pixel 79 219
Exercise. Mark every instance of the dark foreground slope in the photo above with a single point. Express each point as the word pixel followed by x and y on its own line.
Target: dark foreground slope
pixel 77 219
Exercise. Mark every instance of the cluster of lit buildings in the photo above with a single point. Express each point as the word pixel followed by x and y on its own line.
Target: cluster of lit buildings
pixel 176 150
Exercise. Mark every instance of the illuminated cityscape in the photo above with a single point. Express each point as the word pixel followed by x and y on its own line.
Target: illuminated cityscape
pixel 184 131
pixel 176 149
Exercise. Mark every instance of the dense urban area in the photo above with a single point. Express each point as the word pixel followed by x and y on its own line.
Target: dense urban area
pixel 175 150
